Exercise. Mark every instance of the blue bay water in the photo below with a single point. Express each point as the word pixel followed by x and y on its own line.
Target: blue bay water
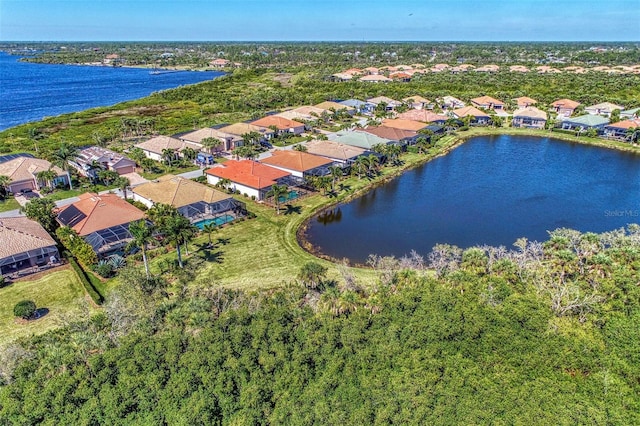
pixel 490 190
pixel 30 92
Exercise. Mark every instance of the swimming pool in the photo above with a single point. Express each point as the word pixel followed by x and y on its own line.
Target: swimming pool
pixel 221 220
pixel 290 196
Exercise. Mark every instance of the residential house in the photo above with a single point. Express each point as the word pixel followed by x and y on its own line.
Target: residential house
pixel 390 104
pixel 604 108
pixel 193 200
pixel 423 115
pixel 229 141
pixel 564 107
pixel 283 125
pixel 630 113
pixel 395 134
pixel 248 177
pixel 418 102
pixel 449 102
pixel 371 71
pixel 299 164
pixel 525 101
pixel 220 63
pixel 477 117
pixel 488 68
pixel 401 76
pixel 337 152
pixel 488 103
pixel 92 159
pixel 585 122
pixel 530 117
pixel 304 113
pixel 23 171
pixel 340 76
pixel 335 106
pixel 154 147
pixel 362 140
pixel 620 130
pixel 25 245
pixel 102 220
pixel 375 78
pixel 398 123
pixel 241 129
pixel 361 107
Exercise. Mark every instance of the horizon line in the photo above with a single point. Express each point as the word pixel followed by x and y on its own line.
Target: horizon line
pixel 320 41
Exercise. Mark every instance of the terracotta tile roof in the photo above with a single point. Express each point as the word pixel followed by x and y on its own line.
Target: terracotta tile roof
pixel 400 123
pixel 400 74
pixel 463 112
pixel 390 133
pixel 96 212
pixel 486 100
pixel 240 129
pixel 327 105
pixel 280 122
pixel 565 103
pixel 159 143
pixel 352 71
pixel 625 124
pixel 531 112
pixel 248 173
pixel 198 135
pixel 295 160
pixel 422 115
pixel 525 101
pixel 19 234
pixel 334 150
pixel 26 168
pixel 178 191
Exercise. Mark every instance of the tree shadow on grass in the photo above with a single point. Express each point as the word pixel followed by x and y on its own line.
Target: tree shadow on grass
pixel 292 209
pixel 211 255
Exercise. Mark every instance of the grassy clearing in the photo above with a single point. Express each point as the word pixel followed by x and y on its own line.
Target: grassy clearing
pixel 9 204
pixel 60 292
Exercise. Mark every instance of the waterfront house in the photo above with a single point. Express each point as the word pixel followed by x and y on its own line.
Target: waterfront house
pixel 390 104
pixel 92 159
pixel 102 220
pixel 488 103
pixel 299 164
pixel 228 141
pixel 396 134
pixel 530 117
pixel 193 200
pixel 564 107
pixel 423 115
pixel 604 108
pixel 620 130
pixel 283 125
pixel 248 177
pixel 361 107
pixel 25 246
pixel 23 172
pixel 525 101
pixel 398 123
pixel 418 102
pixel 241 129
pixel 154 147
pixel 477 117
pixel 585 122
pixel 362 140
pixel 337 152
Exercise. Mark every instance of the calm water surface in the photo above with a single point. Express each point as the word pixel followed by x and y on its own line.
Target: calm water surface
pixel 30 92
pixel 490 190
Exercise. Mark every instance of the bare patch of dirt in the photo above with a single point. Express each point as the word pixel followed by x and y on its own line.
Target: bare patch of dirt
pixel 284 78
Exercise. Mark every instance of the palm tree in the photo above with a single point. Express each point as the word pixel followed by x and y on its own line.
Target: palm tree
pixel 189 153
pixel 209 228
pixel 4 184
pixel 107 176
pixel 276 192
pixel 63 157
pixel 46 176
pixel 361 165
pixel 142 233
pixel 169 156
pixel 123 184
pixel 336 173
pixel 224 183
pixel 212 144
pixel 178 230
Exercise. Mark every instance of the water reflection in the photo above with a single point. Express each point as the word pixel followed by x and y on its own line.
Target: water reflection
pixel 330 216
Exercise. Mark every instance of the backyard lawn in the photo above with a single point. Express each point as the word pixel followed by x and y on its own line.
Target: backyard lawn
pixel 60 292
pixel 9 204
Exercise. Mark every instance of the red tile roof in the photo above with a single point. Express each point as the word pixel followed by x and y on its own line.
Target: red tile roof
pixel 390 133
pixel 565 103
pixel 625 124
pixel 101 212
pixel 463 112
pixel 248 173
pixel 280 122
pixel 422 115
pixel 486 100
pixel 403 124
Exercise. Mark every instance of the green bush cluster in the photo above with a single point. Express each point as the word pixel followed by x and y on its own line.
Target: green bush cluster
pixel 85 280
pixel 78 247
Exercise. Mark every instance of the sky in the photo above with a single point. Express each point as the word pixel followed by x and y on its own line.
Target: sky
pixel 328 20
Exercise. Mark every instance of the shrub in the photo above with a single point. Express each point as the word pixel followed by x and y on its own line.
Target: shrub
pixel 86 283
pixel 24 309
pixel 103 268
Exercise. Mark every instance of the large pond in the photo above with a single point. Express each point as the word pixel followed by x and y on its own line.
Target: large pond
pixel 489 190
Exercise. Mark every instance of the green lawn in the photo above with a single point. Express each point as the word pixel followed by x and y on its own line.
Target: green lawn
pixel 9 204
pixel 60 292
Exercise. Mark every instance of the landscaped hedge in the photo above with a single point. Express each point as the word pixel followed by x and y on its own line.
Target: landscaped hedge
pixel 84 279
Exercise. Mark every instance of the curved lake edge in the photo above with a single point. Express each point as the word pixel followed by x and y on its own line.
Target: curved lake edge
pixel 457 140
